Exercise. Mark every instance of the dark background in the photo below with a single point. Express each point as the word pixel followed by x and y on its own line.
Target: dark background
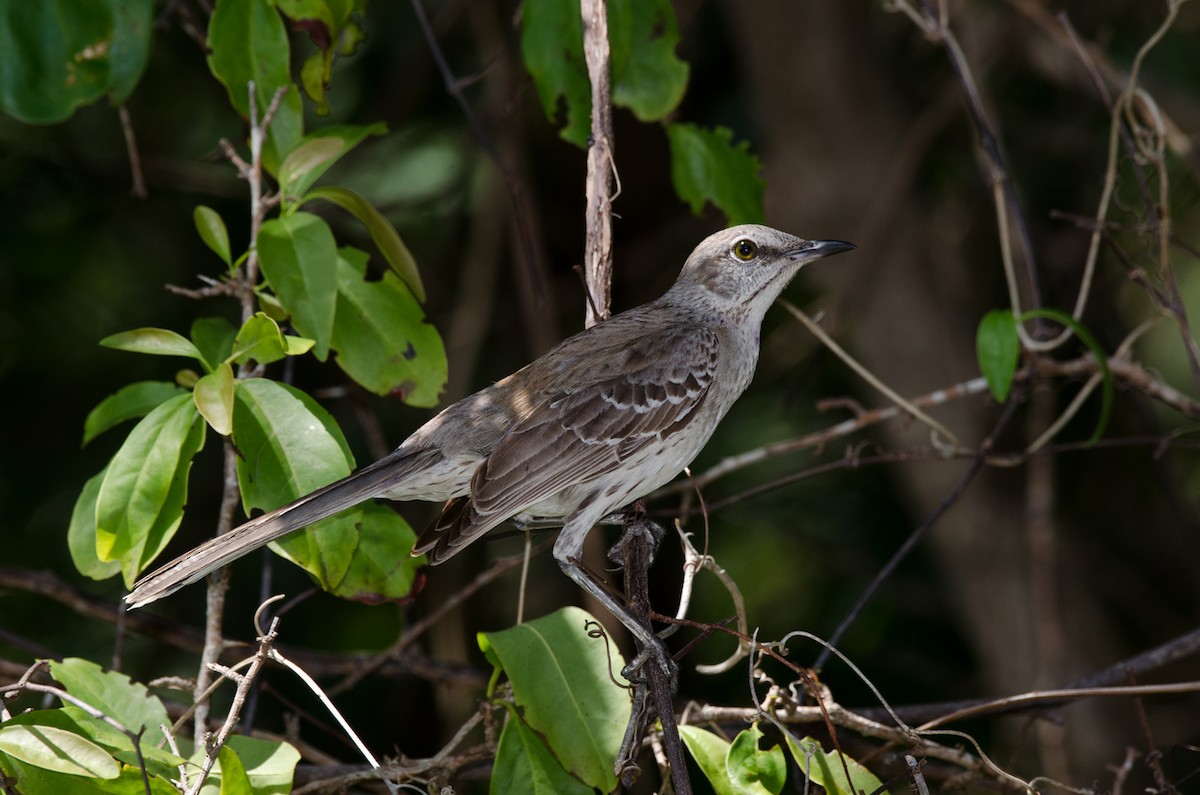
pixel 1038 575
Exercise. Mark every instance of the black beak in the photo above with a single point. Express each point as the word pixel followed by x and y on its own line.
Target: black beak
pixel 812 249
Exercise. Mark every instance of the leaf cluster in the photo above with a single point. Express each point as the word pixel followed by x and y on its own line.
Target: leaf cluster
pixel 111 736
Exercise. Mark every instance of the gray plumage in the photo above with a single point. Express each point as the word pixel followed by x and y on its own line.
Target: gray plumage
pixel 604 418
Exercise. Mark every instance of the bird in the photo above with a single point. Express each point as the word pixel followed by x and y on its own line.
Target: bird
pixel 599 421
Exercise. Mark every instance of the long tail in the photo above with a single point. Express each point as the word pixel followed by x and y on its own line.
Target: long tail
pixel 370 481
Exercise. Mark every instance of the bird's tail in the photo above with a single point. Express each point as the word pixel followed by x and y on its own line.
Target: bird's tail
pixel 368 482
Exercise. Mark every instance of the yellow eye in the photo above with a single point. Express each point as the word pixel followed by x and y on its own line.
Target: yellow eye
pixel 745 249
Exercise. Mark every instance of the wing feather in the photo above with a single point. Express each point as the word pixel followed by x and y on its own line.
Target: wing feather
pixel 616 401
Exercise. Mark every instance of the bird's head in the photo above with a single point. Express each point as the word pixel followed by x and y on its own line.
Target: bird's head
pixel 745 268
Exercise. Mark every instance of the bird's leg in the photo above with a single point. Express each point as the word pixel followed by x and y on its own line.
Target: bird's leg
pixel 568 549
pixel 649 645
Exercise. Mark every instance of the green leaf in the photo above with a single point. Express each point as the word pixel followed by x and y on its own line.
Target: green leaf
pixel 753 770
pixel 271 305
pixel 710 753
pixel 382 568
pixel 382 232
pixel 59 55
pixel 81 534
pixel 250 765
pixel 826 770
pixel 156 341
pixel 313 153
pixel 127 403
pixel 213 394
pixel 352 33
pixel 233 774
pixel 115 694
pixel 261 339
pixel 296 346
pixel 213 336
pixel 313 16
pixel 159 763
pixel 998 349
pixel 331 28
pixel 187 378
pixel 289 446
pixel 525 765
pixel 561 679
pixel 647 76
pixel 298 254
pixel 314 77
pixel 30 780
pixel 347 136
pixel 706 166
pixel 213 232
pixel 144 489
pixel 552 47
pixel 269 765
pixel 61 751
pixel 1085 336
pixel 248 41
pixel 381 336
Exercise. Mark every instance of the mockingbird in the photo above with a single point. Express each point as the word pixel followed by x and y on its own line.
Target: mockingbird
pixel 603 419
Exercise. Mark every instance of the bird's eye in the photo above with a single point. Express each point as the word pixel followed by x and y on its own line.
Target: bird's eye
pixel 745 249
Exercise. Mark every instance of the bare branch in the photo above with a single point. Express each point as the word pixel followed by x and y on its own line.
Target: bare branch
pixel 597 258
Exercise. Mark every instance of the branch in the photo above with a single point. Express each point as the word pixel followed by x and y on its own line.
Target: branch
pixel 244 681
pixel 453 88
pixel 1129 373
pixel 62 695
pixel 415 630
pixel 321 663
pixel 910 543
pixel 597 257
pixel 138 188
pixel 218 581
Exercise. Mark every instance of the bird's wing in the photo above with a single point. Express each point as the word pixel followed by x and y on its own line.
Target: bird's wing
pixel 605 405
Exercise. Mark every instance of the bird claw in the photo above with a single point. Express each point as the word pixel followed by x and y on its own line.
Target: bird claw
pixel 657 651
pixel 653 533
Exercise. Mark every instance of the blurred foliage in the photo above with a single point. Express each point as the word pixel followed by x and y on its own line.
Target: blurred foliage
pixel 81 259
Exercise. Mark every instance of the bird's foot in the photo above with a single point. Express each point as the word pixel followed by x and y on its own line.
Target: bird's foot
pixel 654 653
pixel 640 526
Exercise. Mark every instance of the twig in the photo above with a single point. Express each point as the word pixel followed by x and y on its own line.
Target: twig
pixel 597 258
pixel 138 188
pixel 193 28
pixel 948 440
pixel 1129 373
pixel 693 561
pixel 62 695
pixel 214 599
pixel 217 288
pixel 1058 697
pixel 328 704
pixel 447 758
pixel 218 582
pixel 244 681
pixel 1121 773
pixel 918 533
pixel 935 23
pixel 498 568
pixel 453 88
pixel 321 663
pixel 258 206
pixel 1179 648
